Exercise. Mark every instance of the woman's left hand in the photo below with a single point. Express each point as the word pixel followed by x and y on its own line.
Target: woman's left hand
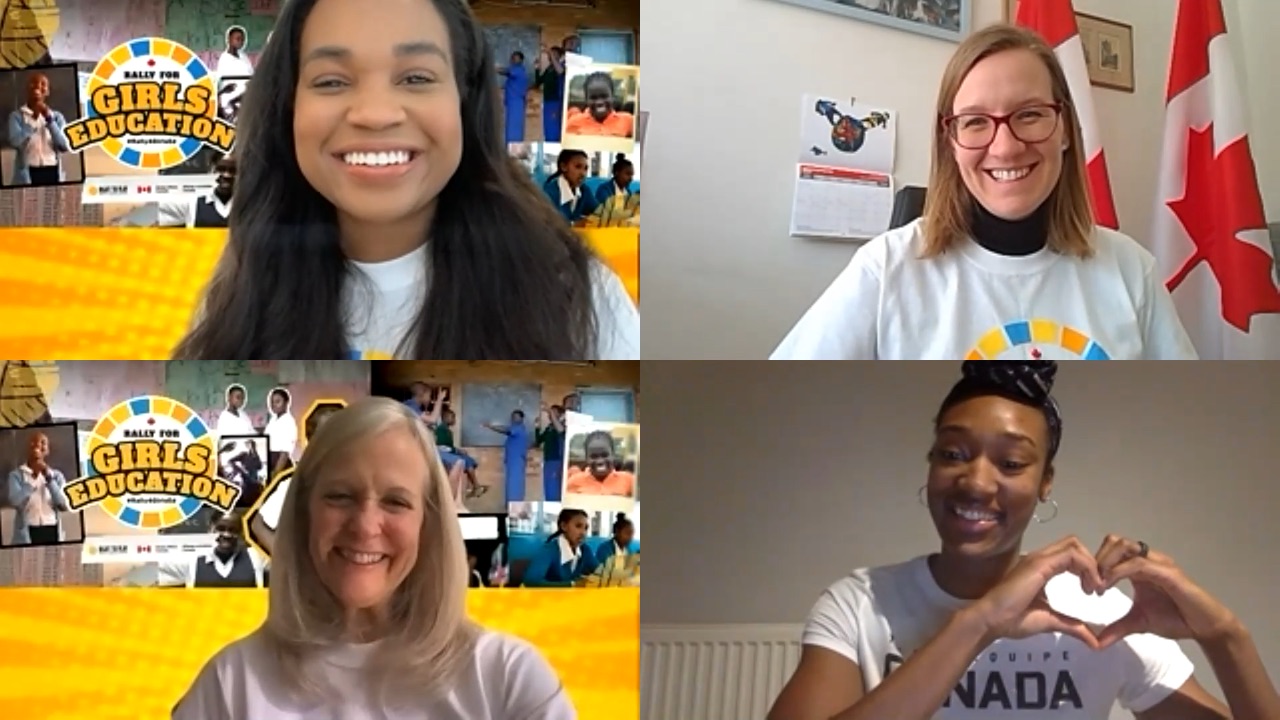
pixel 1165 601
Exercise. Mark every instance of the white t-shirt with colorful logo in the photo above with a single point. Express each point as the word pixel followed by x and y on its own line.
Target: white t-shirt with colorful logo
pixel 878 617
pixel 381 307
pixel 971 303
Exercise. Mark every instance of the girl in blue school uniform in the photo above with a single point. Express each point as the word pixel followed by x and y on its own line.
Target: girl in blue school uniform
pixel 563 558
pixel 624 532
pixel 623 173
pixel 566 190
pixel 515 454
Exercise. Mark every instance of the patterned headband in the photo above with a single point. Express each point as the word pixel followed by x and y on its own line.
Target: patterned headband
pixel 1028 381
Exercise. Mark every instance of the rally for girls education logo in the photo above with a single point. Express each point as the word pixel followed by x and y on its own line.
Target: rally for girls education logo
pixel 1039 339
pixel 151 105
pixel 151 464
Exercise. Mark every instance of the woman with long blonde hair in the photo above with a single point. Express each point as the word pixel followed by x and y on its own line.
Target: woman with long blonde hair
pixel 367 613
pixel 1006 261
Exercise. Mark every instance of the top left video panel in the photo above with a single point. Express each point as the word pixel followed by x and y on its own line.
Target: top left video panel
pixel 112 117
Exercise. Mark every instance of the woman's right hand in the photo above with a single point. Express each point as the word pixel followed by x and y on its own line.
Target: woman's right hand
pixel 1017 608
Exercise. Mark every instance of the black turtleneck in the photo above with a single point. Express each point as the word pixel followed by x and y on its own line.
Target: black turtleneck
pixel 1011 237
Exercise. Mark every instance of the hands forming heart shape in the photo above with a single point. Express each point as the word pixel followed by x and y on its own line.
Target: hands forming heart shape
pixel 1165 601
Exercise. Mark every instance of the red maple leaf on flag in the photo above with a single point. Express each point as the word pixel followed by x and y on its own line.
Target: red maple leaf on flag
pixel 1221 199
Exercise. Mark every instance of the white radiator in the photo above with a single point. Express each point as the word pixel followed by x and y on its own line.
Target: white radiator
pixel 714 672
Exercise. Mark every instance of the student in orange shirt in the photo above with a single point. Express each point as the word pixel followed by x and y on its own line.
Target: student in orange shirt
pixel 600 477
pixel 599 117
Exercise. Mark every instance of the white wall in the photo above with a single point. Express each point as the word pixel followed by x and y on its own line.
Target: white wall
pixel 768 481
pixel 721 278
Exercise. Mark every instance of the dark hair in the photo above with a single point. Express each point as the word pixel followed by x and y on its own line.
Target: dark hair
pixel 517 412
pixel 519 55
pixel 600 435
pixel 565 516
pixel 508 279
pixel 284 395
pixel 234 388
pixel 620 523
pixel 563 159
pixel 620 163
pixel 599 76
pixel 1027 382
pixel 558 408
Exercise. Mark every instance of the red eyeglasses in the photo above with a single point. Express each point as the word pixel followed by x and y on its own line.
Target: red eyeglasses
pixel 1030 124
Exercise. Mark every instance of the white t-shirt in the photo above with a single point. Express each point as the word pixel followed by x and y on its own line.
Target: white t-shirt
pixel 183 214
pixel 878 617
pixel 232 66
pixel 282 434
pixel 507 679
pixel 383 300
pixel 183 574
pixel 971 303
pixel 230 424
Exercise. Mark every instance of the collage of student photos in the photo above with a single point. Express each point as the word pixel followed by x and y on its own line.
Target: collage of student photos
pixel 510 486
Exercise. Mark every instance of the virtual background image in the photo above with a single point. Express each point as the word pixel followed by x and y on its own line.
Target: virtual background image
pixel 84 390
pixel 530 524
pixel 63 456
pixel 83 31
pixel 64 96
pixel 614 385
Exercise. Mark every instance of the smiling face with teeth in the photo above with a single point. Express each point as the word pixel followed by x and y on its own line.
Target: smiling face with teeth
pixel 378 121
pixel 988 469
pixel 1010 178
pixel 366 515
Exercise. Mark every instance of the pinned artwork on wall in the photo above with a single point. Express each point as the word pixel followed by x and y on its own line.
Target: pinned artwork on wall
pixel 945 19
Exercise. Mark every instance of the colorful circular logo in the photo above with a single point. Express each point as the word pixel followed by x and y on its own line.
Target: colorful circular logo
pixel 152 465
pixel 151 105
pixel 1039 338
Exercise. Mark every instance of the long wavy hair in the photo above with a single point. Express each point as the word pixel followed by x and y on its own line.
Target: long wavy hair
pixel 507 279
pixel 429 637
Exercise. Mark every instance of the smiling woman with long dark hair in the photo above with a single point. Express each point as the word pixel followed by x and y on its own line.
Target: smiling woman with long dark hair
pixel 377 212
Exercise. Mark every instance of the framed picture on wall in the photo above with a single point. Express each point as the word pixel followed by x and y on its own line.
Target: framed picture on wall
pixel 1108 51
pixel 945 19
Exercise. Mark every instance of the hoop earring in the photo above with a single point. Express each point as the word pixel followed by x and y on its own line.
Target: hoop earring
pixel 1052 502
pixel 920 495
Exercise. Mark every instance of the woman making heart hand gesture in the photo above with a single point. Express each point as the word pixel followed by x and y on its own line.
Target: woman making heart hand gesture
pixel 981 630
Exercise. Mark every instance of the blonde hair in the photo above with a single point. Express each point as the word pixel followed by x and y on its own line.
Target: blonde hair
pixel 949 205
pixel 430 635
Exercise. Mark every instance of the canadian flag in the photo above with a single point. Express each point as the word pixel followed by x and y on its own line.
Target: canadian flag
pixel 1210 233
pixel 1055 21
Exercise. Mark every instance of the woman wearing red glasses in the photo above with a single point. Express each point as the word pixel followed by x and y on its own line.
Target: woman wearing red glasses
pixel 1006 261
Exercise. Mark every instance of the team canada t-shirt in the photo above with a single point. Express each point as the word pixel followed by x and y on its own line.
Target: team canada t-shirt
pixel 971 303
pixel 878 617
pixel 381 306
